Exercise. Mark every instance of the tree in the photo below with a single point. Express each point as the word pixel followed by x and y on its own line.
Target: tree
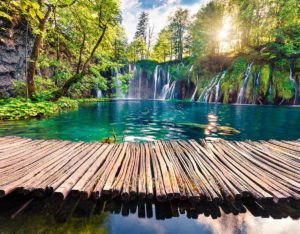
pixel 205 28
pixel 178 26
pixel 162 48
pixel 38 14
pixel 137 49
pixel 93 20
pixel 142 26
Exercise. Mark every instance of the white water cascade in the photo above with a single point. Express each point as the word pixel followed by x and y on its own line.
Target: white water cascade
pixel 208 89
pixel 217 91
pixel 99 93
pixel 196 87
pixel 166 87
pixel 255 86
pixel 171 91
pixel 295 86
pixel 241 96
pixel 156 74
pixel 119 92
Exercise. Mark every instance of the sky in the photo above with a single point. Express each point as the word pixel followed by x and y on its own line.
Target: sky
pixel 158 10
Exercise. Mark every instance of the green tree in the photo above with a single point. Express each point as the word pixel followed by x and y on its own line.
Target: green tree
pixel 142 26
pixel 162 47
pixel 178 26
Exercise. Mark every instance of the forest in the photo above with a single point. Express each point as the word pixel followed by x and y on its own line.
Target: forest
pixel 55 54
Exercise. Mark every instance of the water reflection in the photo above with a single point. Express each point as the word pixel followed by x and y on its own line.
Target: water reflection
pixel 47 215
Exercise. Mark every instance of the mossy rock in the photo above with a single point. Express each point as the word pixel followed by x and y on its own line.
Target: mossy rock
pixel 282 85
pixel 264 79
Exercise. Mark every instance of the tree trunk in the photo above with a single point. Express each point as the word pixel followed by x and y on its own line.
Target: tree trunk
pixel 35 54
pixel 79 75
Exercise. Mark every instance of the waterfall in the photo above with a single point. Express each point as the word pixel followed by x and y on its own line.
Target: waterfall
pixel 295 85
pixel 241 96
pixel 218 87
pixel 156 71
pixel 194 94
pixel 119 92
pixel 99 93
pixel 131 89
pixel 210 86
pixel 166 87
pixel 255 86
pixel 171 91
pixel 140 83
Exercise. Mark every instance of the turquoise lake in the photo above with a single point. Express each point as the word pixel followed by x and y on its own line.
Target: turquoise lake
pixel 138 121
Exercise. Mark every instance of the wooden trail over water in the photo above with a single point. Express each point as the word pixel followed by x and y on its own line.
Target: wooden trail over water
pixel 205 170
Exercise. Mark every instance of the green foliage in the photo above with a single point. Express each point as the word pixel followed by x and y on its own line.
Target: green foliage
pixel 20 108
pixel 147 65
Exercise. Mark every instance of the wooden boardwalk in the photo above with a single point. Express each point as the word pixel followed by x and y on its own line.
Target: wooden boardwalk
pixel 205 170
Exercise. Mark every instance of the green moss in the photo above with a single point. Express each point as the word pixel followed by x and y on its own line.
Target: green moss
pixel 147 65
pixel 264 79
pixel 283 86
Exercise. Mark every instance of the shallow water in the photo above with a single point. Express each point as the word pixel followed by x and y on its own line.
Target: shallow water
pixel 134 120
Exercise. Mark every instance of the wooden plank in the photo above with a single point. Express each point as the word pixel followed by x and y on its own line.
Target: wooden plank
pixel 165 173
pixel 169 164
pixel 142 172
pixel 160 192
pixel 204 177
pixel 226 182
pixel 114 170
pixel 65 188
pixel 149 175
pixel 254 174
pixel 192 191
pixel 107 167
pixel 84 180
pixel 246 175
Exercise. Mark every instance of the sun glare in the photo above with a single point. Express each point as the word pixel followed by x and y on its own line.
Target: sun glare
pixel 224 34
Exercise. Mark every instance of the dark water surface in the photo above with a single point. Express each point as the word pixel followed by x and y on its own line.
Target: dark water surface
pixel 112 216
pixel 134 120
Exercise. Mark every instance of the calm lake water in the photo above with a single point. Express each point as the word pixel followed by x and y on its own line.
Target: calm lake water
pixel 134 120
pixel 153 120
pixel 71 216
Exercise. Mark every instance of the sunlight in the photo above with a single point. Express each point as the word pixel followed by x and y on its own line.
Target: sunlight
pixel 224 34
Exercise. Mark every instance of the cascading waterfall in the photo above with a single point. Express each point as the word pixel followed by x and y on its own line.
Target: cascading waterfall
pixel 171 91
pixel 255 86
pixel 156 74
pixel 194 94
pixel 166 87
pixel 218 86
pixel 210 87
pixel 140 84
pixel 295 86
pixel 241 96
pixel 99 93
pixel 131 88
pixel 119 92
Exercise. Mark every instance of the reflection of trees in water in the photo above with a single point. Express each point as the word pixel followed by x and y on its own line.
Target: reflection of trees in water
pixel 89 216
